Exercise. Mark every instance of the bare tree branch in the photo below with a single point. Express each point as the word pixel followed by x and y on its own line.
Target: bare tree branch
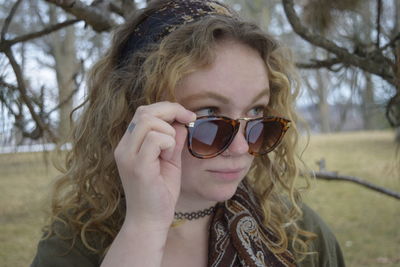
pixel 393 111
pixel 316 64
pixel 9 19
pixel 391 43
pixel 116 9
pixel 123 9
pixel 65 101
pixel 22 89
pixel 333 176
pixel 99 19
pixel 43 32
pixel 375 63
pixel 5 44
pixel 3 99
pixel 35 8
pixel 128 6
pixel 378 23
pixel 3 83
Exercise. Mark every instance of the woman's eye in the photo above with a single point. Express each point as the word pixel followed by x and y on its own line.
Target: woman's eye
pixel 208 111
pixel 257 111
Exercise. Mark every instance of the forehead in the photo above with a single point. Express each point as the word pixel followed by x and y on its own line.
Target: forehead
pixel 238 73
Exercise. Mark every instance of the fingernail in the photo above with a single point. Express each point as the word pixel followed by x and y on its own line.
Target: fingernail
pixel 193 115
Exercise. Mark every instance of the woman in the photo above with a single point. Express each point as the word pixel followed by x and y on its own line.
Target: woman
pixel 185 152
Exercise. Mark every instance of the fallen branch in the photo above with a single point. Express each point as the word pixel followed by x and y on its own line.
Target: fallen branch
pixel 333 176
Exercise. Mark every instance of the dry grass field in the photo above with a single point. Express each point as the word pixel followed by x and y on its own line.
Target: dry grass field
pixel 365 222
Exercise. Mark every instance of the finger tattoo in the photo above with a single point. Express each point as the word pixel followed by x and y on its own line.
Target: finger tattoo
pixel 131 127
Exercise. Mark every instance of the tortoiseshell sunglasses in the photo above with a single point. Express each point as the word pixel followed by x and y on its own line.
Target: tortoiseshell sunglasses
pixel 209 136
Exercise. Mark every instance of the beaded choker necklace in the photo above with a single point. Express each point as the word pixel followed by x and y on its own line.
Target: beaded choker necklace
pixel 194 215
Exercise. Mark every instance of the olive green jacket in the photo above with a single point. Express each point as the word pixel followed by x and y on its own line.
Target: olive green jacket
pixel 55 252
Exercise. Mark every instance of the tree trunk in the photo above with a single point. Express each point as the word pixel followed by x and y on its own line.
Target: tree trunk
pixel 66 65
pixel 395 31
pixel 368 103
pixel 323 105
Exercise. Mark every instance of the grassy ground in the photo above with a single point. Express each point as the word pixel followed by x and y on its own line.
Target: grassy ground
pixel 365 222
pixel 24 186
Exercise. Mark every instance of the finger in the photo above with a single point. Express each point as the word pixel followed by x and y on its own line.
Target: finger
pixel 171 167
pixel 143 126
pixel 180 139
pixel 175 155
pixel 153 144
pixel 167 111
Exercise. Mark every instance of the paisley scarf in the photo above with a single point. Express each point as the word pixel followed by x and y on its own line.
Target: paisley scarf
pixel 238 236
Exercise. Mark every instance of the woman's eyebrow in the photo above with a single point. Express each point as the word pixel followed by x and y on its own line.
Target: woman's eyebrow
pixel 203 95
pixel 218 97
pixel 263 93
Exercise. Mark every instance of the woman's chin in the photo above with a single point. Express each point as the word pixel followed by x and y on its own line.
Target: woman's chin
pixel 222 192
pixel 215 193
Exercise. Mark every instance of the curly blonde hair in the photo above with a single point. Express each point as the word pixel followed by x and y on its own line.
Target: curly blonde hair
pixel 88 197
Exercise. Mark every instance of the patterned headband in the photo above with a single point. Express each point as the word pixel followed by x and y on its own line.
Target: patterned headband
pixel 165 20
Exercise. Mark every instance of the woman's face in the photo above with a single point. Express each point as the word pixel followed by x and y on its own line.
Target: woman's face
pixel 235 85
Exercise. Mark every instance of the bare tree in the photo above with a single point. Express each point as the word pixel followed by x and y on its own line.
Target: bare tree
pixel 25 103
pixel 376 58
pixel 29 102
pixel 379 59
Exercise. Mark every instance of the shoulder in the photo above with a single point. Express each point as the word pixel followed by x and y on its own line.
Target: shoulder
pixel 326 248
pixel 57 251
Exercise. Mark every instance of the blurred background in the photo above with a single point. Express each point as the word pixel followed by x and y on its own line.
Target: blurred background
pixel 348 55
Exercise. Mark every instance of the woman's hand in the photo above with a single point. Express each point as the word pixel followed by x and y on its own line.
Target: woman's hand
pixel 149 163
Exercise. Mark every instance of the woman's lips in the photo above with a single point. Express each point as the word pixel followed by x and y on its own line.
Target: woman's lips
pixel 227 174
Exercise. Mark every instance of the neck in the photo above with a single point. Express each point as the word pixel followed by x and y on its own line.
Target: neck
pixel 189 203
pixel 188 242
pixel 191 229
pixel 187 228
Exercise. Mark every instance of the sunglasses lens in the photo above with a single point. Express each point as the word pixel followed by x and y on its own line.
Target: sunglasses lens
pixel 263 136
pixel 211 136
